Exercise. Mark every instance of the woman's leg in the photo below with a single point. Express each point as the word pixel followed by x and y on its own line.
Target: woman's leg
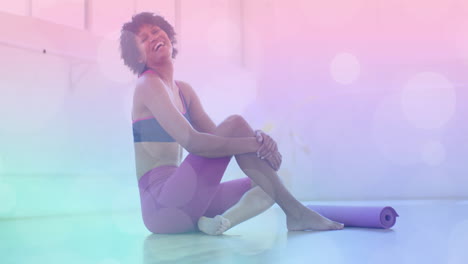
pixel 173 202
pixel 228 195
pixel 298 216
pixel 253 203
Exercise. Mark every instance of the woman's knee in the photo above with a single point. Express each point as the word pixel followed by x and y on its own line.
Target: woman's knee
pixel 234 126
pixel 243 128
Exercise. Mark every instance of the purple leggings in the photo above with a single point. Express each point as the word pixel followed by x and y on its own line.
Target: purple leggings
pixel 174 198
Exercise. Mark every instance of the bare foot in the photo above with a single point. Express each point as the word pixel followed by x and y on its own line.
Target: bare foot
pixel 311 220
pixel 213 226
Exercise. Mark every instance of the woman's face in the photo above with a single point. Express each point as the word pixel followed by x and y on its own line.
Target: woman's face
pixel 154 45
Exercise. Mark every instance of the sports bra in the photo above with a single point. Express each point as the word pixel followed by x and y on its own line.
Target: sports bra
pixel 148 129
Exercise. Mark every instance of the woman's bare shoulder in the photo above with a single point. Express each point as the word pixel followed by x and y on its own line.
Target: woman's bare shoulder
pixel 186 89
pixel 185 86
pixel 148 84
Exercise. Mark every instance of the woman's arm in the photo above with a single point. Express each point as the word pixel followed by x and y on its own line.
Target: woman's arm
pixel 203 123
pixel 156 98
pixel 199 118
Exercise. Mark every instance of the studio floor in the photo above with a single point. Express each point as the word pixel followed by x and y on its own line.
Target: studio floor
pixel 427 231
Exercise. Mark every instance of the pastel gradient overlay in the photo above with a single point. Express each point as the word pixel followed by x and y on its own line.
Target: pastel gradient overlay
pixel 366 99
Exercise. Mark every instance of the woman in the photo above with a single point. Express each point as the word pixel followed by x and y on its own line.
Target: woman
pixel 182 196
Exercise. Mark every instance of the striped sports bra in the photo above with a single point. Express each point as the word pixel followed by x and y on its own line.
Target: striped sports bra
pixel 148 129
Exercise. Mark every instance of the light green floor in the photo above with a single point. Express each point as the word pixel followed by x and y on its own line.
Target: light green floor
pixel 427 232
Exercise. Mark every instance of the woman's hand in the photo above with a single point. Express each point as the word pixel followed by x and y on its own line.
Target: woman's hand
pixel 275 160
pixel 268 146
pixel 268 150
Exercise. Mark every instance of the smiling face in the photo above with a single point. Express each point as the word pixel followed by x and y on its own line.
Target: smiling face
pixel 154 45
pixel 139 38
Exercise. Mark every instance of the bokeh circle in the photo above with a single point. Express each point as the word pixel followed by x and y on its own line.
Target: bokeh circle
pixel 428 100
pixel 345 68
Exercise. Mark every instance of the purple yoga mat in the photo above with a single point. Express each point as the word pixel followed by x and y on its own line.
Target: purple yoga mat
pixel 359 216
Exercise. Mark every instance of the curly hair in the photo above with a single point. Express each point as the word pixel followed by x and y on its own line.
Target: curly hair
pixel 128 48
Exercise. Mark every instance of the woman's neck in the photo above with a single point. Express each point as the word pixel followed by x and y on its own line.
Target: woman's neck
pixel 165 72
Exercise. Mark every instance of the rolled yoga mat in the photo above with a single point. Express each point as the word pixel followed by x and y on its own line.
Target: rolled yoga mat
pixel 359 216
